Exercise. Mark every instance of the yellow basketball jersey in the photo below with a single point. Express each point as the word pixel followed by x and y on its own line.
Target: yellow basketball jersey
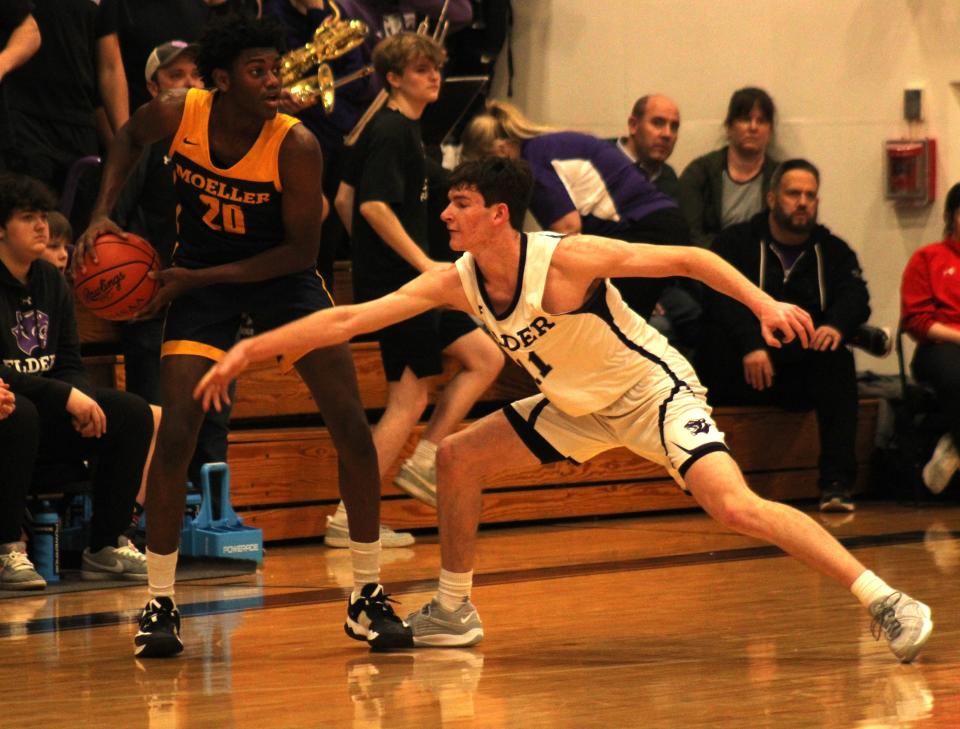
pixel 225 215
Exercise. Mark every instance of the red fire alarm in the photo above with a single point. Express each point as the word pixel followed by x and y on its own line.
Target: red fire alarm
pixel 911 171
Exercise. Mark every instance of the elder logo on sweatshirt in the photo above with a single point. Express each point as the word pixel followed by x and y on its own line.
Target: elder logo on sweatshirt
pixel 31 330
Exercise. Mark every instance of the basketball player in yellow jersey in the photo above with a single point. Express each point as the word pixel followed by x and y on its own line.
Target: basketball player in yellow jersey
pixel 249 213
pixel 607 379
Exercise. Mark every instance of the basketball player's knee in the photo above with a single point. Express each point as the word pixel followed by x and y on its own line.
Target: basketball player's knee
pixel 454 457
pixel 741 512
pixel 176 441
pixel 446 459
pixel 353 439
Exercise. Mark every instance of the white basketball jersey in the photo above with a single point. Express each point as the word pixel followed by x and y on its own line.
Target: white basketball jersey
pixel 582 361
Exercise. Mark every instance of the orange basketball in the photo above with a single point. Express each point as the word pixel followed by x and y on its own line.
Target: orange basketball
pixel 117 286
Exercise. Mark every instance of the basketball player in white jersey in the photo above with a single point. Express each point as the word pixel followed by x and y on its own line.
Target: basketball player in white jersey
pixel 607 379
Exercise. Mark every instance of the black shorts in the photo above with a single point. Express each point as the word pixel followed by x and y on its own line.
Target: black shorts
pixel 417 343
pixel 204 321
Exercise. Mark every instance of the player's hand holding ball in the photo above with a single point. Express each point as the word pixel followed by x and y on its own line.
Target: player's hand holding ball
pixel 112 271
pixel 171 282
pixel 84 248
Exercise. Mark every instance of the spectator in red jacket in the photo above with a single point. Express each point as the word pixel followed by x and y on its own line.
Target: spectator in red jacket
pixel 930 313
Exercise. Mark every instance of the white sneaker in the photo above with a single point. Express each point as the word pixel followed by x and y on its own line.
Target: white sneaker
pixel 123 562
pixel 16 569
pixel 419 482
pixel 941 467
pixel 337 535
pixel 903 621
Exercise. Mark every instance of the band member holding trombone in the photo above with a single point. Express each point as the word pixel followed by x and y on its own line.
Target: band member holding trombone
pixel 388 217
pixel 247 183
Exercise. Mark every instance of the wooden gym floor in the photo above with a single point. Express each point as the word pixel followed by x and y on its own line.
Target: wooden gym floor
pixel 655 621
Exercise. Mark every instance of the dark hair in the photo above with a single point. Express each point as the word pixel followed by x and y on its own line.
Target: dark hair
pixel 225 38
pixel 789 166
pixel 59 226
pixel 19 192
pixel 950 207
pixel 743 101
pixel 640 107
pixel 498 180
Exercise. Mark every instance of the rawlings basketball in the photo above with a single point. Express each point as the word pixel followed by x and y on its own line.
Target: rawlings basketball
pixel 117 286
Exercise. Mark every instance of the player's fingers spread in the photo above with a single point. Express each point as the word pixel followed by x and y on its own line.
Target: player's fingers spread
pixel 199 392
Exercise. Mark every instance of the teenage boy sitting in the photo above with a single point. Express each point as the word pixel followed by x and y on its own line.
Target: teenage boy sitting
pixel 57 416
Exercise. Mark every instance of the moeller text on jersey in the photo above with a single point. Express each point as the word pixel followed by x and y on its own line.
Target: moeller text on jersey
pixel 220 189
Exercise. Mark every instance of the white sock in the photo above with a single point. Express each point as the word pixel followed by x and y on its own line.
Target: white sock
pixel 868 588
pixel 162 573
pixel 366 563
pixel 341 516
pixel 454 586
pixel 425 454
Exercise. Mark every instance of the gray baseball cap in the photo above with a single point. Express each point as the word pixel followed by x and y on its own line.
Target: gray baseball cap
pixel 167 53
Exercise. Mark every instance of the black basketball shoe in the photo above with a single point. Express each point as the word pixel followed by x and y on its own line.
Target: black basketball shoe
pixel 159 634
pixel 370 618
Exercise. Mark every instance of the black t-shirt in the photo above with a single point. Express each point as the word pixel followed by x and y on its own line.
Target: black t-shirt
pixel 145 24
pixel 60 81
pixel 12 14
pixel 387 165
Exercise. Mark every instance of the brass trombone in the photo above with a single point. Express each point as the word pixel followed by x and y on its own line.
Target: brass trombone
pixel 322 87
pixel 439 34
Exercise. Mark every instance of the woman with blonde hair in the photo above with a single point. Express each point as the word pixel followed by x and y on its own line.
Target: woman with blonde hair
pixel 581 184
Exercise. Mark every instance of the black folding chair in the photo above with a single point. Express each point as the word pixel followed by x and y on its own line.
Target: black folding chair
pixel 918 423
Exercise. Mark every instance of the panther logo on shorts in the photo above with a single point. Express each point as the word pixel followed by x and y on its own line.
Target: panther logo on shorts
pixel 698 426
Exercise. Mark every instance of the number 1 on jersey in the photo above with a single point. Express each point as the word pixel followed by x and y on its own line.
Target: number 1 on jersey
pixel 542 367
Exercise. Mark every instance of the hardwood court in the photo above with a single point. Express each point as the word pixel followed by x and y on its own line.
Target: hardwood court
pixel 656 621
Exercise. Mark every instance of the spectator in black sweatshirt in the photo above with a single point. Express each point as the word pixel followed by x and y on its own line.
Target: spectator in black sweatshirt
pixel 57 416
pixel 789 255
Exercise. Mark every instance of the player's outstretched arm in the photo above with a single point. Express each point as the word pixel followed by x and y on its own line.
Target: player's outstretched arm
pixel 152 122
pixel 330 327
pixel 595 257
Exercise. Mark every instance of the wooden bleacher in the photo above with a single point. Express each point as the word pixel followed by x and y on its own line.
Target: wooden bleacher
pixel 285 479
pixel 284 476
